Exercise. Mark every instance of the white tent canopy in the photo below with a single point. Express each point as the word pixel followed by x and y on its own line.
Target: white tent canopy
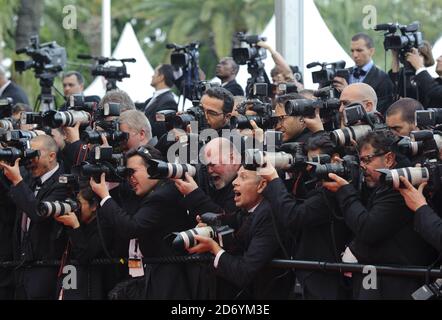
pixel 326 50
pixel 138 85
pixel 437 52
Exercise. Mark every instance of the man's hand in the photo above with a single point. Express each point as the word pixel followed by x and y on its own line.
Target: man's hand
pixel 337 183
pixel 416 60
pixel 413 197
pixel 314 124
pixel 265 45
pixel 72 133
pixel 340 83
pixel 268 172
pixel 100 189
pixel 12 172
pixel 186 186
pixel 205 244
pixel 69 220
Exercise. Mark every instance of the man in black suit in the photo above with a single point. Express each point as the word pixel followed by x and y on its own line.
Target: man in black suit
pixel 381 222
pixel 37 236
pixel 160 214
pixel 430 89
pixel 243 267
pixel 362 50
pixel 9 89
pixel 227 70
pixel 163 98
pixel 73 83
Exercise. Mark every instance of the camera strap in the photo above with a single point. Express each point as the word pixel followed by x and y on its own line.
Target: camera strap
pixel 63 261
pixel 82 154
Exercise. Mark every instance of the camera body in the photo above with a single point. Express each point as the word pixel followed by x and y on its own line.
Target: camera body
pixel 224 235
pixel 18 148
pixel 6 107
pixel 111 130
pixel 348 169
pixel 252 52
pixel 263 117
pixel 107 162
pixel 46 58
pixel 181 121
pixel 328 72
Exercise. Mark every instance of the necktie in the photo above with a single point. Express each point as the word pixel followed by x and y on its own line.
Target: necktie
pixel 359 72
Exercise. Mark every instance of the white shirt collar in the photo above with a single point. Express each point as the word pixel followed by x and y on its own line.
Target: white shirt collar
pixel 4 87
pixel 49 174
pixel 160 92
pixel 254 208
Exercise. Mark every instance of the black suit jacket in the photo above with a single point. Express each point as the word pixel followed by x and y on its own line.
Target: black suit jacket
pixel 384 235
pixel 15 92
pixel 46 239
pixel 430 89
pixel 165 101
pixel 160 214
pixel 429 225
pixel 244 266
pixel 382 84
pixel 318 236
pixel 234 88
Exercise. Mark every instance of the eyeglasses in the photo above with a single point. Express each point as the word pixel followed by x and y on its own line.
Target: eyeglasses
pixel 369 158
pixel 211 112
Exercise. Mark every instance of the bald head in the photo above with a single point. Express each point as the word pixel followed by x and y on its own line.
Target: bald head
pixel 221 151
pixel 360 92
pixel 46 142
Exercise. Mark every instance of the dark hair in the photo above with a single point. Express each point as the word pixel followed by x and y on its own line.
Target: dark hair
pixel 426 52
pixel 167 71
pixel 223 94
pixel 321 142
pixel 381 141
pixel 19 107
pixel 368 40
pixel 234 65
pixel 77 74
pixel 407 107
pixel 291 96
pixel 146 153
pixel 87 194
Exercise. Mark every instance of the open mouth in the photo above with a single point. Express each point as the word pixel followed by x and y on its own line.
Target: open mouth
pixel 237 195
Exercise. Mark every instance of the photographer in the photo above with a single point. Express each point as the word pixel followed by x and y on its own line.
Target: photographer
pixel 400 117
pixel 429 89
pixel 362 50
pixel 214 191
pixel 381 222
pixel 89 239
pixel 37 237
pixel 163 98
pixel 217 104
pixel 160 213
pixel 227 70
pixel 397 75
pixel 427 222
pixel 73 83
pixel 315 225
pixel 243 267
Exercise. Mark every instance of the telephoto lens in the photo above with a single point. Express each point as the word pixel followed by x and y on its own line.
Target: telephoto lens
pixel 186 239
pixel 7 124
pixel 257 159
pixel 70 118
pixel 57 208
pixel 343 137
pixel 164 170
pixel 415 176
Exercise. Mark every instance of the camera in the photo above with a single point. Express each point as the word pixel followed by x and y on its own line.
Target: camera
pixel 6 107
pixel 307 108
pixel 263 117
pixel 328 72
pixel 355 113
pixel 11 154
pixel 47 58
pixel 111 73
pixel 14 136
pixel 57 208
pixel 430 143
pixel 428 118
pixel 251 53
pixel 111 130
pixel 8 124
pixel 224 235
pixel 186 58
pixel 432 291
pixel 344 137
pixel 164 170
pixel 348 169
pixel 105 161
pixel 194 114
pixel 409 37
pixel 290 157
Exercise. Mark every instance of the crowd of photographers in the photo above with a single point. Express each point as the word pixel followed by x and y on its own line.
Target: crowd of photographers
pixel 197 203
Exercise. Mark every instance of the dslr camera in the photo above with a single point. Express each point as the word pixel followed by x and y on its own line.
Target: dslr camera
pixel 328 72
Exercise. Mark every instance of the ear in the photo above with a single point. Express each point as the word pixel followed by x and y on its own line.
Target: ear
pixel 142 134
pixel 261 186
pixel 390 160
pixel 372 51
pixel 228 115
pixel 369 106
pixel 53 156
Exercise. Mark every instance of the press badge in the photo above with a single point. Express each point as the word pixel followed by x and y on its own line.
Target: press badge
pixel 135 267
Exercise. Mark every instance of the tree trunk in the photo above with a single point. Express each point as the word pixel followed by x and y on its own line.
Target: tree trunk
pixel 28 23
